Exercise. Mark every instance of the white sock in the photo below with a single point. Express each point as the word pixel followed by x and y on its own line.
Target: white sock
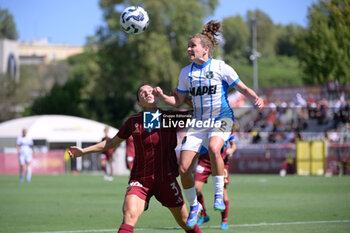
pixel 108 169
pixel 191 196
pixel 218 183
pixel 29 173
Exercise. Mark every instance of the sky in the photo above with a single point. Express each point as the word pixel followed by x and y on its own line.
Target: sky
pixel 71 21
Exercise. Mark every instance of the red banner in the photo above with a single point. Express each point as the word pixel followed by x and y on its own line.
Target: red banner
pixel 338 159
pixel 51 162
pixel 260 158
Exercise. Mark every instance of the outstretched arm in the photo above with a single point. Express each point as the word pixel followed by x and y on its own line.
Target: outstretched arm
pixel 250 94
pixel 99 147
pixel 175 100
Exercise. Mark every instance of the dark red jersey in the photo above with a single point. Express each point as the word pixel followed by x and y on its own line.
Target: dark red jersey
pixel 155 157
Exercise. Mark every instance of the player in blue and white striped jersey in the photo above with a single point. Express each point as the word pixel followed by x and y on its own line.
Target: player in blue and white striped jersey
pixel 207 80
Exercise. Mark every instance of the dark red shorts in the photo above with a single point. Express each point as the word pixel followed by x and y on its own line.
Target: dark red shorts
pixel 203 171
pixel 168 193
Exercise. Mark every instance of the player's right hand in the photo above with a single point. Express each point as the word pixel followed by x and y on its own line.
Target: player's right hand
pixel 75 152
pixel 157 91
pixel 259 102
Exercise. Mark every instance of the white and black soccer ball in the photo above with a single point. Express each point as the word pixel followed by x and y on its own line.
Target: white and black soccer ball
pixel 134 20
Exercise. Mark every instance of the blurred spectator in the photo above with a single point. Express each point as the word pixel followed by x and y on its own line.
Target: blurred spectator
pixel 256 137
pixel 288 166
pixel 282 122
pixel 321 112
pixel 342 166
pixel 299 100
pixel 311 106
pixel 333 136
pixel 107 158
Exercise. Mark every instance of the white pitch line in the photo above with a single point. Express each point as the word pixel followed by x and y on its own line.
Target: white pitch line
pixel 178 228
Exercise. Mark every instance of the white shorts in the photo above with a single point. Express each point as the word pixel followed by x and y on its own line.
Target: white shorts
pixel 24 158
pixel 194 139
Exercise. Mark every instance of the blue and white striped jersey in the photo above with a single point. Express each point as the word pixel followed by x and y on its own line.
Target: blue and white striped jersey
pixel 208 85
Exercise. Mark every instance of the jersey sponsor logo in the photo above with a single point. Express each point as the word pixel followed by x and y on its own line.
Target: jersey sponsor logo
pixel 209 90
pixel 151 120
pixel 137 130
pixel 209 74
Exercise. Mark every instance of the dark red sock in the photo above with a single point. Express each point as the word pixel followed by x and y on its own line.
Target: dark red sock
pixel 200 198
pixel 224 215
pixel 195 229
pixel 125 228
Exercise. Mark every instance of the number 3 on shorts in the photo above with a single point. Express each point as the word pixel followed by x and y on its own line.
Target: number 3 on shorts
pixel 173 186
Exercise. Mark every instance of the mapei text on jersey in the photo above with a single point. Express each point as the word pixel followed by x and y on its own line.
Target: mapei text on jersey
pixel 203 90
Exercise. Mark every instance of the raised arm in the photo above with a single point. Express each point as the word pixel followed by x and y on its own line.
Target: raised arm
pixel 175 100
pixel 99 147
pixel 250 94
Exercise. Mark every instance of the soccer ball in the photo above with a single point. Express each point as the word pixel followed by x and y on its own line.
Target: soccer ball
pixel 134 20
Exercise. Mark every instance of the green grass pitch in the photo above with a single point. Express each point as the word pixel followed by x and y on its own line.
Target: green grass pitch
pixel 258 203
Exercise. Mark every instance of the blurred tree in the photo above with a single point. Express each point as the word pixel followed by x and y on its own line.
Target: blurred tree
pixel 236 36
pixel 266 32
pixel 325 45
pixel 67 95
pixel 7 91
pixel 35 81
pixel 287 39
pixel 61 100
pixel 7 26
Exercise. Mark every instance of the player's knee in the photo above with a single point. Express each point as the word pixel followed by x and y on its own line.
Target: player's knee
pixel 130 216
pixel 214 153
pixel 184 171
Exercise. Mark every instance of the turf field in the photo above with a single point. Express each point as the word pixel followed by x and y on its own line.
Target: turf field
pixel 258 203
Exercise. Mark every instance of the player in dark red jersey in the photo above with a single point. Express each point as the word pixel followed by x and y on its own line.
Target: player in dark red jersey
pixel 107 159
pixel 203 171
pixel 155 166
